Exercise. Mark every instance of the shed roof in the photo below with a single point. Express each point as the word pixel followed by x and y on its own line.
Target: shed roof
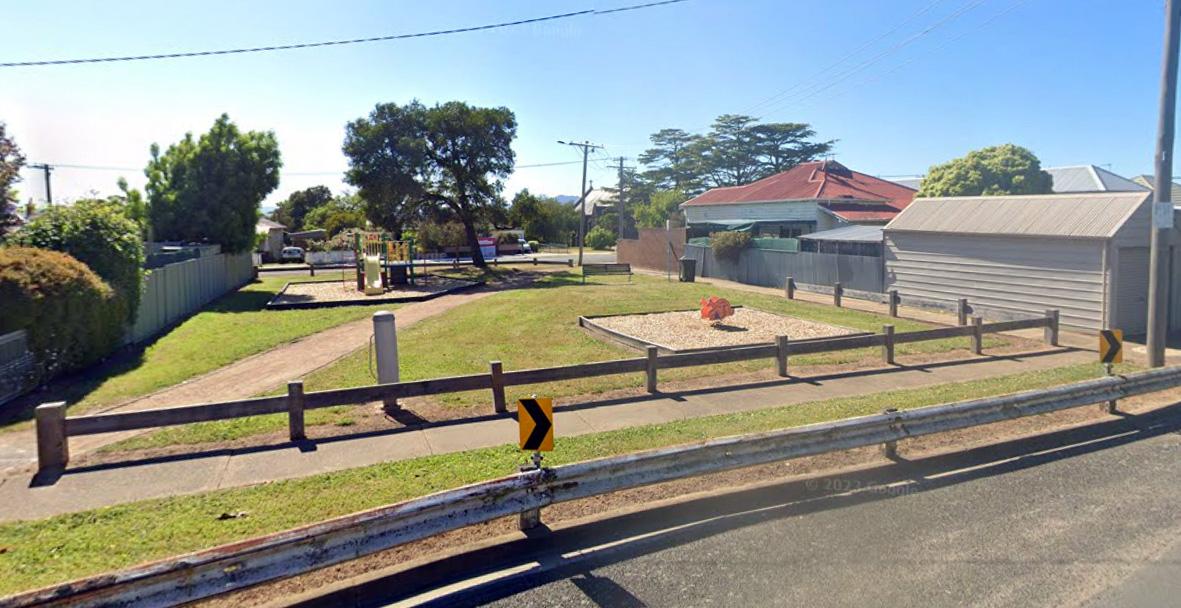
pixel 1148 180
pixel 1091 215
pixel 848 234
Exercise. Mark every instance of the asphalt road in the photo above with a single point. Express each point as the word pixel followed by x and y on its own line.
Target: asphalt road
pixel 1075 518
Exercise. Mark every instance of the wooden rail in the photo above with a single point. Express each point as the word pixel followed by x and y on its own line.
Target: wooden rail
pixel 54 428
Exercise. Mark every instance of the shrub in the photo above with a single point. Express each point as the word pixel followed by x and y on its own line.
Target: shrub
pixel 729 245
pixel 506 238
pixel 534 246
pixel 99 234
pixel 600 238
pixel 72 316
pixel 437 237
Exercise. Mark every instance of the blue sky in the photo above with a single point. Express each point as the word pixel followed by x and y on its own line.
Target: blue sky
pixel 1075 81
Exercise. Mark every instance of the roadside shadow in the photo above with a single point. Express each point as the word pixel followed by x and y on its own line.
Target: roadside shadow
pixel 638 533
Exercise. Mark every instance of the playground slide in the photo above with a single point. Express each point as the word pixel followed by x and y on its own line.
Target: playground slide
pixel 373 275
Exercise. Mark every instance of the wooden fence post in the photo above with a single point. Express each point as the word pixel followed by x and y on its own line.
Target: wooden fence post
pixel 836 294
pixel 498 403
pixel 651 369
pixel 53 445
pixel 888 344
pixel 781 354
pixel 295 428
pixel 961 311
pixel 977 335
pixel 893 295
pixel 789 288
pixel 1051 332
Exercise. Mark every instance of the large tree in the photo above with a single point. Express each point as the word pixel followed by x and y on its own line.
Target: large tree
pixel 11 161
pixel 209 189
pixel 543 218
pixel 412 161
pixel 996 170
pixel 293 211
pixel 737 150
pixel 337 215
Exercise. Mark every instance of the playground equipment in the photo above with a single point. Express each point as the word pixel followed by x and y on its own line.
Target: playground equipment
pixel 382 262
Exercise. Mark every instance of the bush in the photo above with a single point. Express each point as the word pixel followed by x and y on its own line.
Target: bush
pixel 433 237
pixel 729 245
pixel 534 246
pixel 99 234
pixel 600 238
pixel 73 317
pixel 506 238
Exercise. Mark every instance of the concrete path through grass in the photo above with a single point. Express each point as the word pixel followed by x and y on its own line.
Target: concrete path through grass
pixel 82 487
pixel 242 379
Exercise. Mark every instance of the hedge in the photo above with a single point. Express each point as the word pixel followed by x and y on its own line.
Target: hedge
pixel 73 317
pixel 729 245
pixel 99 234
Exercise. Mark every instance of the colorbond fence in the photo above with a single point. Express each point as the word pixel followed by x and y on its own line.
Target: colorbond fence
pixel 176 291
pixel 54 429
pixel 769 268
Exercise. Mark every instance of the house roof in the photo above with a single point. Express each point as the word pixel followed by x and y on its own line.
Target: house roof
pixel 848 234
pixel 817 180
pixel 910 182
pixel 860 211
pixel 1088 215
pixel 598 198
pixel 264 223
pixel 1090 178
pixel 1148 180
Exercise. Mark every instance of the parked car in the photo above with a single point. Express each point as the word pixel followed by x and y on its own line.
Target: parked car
pixel 525 248
pixel 291 254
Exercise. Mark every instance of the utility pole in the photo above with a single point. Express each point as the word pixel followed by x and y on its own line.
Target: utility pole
pixel 1162 207
pixel 623 230
pixel 586 148
pixel 48 191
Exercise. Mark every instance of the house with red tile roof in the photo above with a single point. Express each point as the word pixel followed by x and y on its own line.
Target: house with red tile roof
pixel 814 196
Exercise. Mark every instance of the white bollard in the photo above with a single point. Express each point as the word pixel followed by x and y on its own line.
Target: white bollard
pixel 385 339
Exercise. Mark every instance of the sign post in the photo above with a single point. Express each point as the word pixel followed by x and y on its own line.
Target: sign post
pixel 535 421
pixel 1111 351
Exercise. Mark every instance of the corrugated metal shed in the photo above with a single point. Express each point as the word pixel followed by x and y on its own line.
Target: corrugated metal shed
pixel 1094 216
pixel 849 234
pixel 1090 178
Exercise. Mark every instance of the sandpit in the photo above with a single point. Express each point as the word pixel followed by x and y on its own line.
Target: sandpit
pixel 344 293
pixel 685 330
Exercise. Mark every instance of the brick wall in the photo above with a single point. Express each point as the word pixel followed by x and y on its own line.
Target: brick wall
pixel 650 250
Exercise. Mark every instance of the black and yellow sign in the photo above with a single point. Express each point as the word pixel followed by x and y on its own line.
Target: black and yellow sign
pixel 535 416
pixel 1111 346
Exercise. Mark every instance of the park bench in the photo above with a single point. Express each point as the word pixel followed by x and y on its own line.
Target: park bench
pixel 604 269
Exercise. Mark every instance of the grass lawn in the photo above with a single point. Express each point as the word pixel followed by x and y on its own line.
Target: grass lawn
pixel 231 328
pixel 538 327
pixel 53 550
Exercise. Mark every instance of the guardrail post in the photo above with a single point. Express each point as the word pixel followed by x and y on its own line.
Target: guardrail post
pixel 836 294
pixel 890 448
pixel 789 288
pixel 961 311
pixel 295 410
pixel 53 445
pixel 893 303
pixel 1051 332
pixel 781 355
pixel 888 344
pixel 498 404
pixel 977 335
pixel 385 337
pixel 651 369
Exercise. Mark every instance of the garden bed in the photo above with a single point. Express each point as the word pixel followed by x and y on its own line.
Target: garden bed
pixel 684 331
pixel 337 292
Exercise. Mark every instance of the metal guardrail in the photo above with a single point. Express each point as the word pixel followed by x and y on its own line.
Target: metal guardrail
pixel 54 429
pixel 235 566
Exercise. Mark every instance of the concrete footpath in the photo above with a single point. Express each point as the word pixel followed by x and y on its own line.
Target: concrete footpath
pixel 86 487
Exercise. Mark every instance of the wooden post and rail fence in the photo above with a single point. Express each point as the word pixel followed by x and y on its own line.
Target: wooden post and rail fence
pixel 54 427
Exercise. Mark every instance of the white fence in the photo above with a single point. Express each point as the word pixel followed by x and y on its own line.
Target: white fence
pixel 175 291
pixel 324 258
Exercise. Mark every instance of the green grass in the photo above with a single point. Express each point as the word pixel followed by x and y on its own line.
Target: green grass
pixel 56 549
pixel 231 328
pixel 538 327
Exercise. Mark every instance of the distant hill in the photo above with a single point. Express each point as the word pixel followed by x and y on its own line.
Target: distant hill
pixel 566 199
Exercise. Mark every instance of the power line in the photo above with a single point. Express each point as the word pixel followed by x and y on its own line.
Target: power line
pixel 806 82
pixel 307 45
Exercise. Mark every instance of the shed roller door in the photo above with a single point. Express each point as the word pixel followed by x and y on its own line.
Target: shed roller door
pixel 1132 290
